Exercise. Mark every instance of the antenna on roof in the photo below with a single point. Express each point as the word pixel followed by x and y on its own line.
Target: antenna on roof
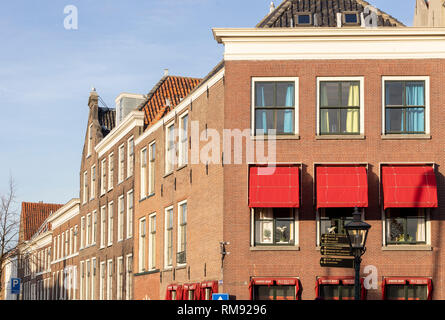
pixel 272 7
pixel 103 102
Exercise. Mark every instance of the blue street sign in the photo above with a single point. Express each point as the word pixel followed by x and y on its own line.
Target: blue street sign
pixel 220 296
pixel 15 286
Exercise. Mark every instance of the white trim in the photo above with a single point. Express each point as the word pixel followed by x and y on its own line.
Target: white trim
pixel 128 157
pixel 166 151
pixel 150 253
pixel 110 226
pixel 166 266
pixel 296 81
pixel 182 105
pixel 141 253
pixel 362 100
pixel 120 219
pixel 143 174
pixel 179 235
pixel 331 43
pixel 110 165
pixel 65 258
pixel 132 120
pixel 121 159
pixel 149 164
pixel 180 136
pixel 129 224
pixel 427 99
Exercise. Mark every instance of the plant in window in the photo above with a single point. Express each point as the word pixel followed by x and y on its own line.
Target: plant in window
pixel 282 234
pixel 267 235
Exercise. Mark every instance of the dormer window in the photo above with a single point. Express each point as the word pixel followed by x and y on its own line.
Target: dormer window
pixel 304 19
pixel 350 18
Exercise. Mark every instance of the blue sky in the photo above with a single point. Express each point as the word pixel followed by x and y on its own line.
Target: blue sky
pixel 46 72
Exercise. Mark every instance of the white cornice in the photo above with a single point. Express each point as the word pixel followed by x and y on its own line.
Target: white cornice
pixel 132 120
pixel 331 43
pixel 182 105
pixel 65 213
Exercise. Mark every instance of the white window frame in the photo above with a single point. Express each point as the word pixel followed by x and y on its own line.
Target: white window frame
pixel 130 213
pixel 401 246
pixel 129 277
pixel 151 237
pixel 76 231
pixel 94 227
pixel 88 231
pixel 427 101
pixel 120 218
pixel 110 171
pixel 166 265
pixel 121 164
pixel 142 244
pixel 110 223
pixel 296 245
pixel 361 80
pixel 169 169
pixel 82 279
pixel 82 232
pixel 296 99
pixel 93 182
pixel 103 177
pixel 90 140
pixel 85 187
pixel 179 236
pixel 144 171
pixel 102 280
pixel 103 226
pixel 110 279
pixel 151 164
pixel 183 145
pixel 119 277
pixel 130 156
pixel 93 278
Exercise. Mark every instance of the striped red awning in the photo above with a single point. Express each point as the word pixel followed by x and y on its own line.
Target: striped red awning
pixel 409 187
pixel 342 186
pixel 274 187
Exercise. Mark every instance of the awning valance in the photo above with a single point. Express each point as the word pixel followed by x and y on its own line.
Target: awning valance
pixel 341 186
pixel 409 187
pixel 274 187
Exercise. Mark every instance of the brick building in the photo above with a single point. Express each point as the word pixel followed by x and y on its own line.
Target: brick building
pixel 353 112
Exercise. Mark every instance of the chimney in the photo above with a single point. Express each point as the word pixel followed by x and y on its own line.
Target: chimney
pixel 165 72
pixel 272 7
pixel 125 104
pixel 94 98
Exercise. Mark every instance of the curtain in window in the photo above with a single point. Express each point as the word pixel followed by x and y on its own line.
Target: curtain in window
pixel 260 101
pixel 414 120
pixel 352 117
pixel 288 113
pixel 414 94
pixel 420 234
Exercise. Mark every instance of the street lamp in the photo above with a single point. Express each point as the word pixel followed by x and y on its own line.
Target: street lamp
pixel 357 232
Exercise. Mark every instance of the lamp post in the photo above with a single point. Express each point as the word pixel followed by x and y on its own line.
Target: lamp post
pixel 357 232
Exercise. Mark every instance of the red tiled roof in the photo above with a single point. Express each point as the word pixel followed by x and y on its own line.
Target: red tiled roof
pixel 174 89
pixel 32 217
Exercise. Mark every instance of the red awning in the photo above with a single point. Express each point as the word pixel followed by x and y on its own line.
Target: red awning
pixel 413 281
pixel 263 281
pixel 342 186
pixel 409 187
pixel 274 187
pixel 336 280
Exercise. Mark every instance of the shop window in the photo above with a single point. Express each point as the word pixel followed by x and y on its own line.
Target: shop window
pixel 274 289
pixel 407 289
pixel 333 220
pixel 338 288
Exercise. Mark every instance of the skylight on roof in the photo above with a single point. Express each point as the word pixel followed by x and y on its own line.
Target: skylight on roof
pixel 304 19
pixel 350 18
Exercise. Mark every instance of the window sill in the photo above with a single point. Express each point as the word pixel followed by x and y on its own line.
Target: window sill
pixel 275 248
pixel 406 137
pixel 147 272
pixel 283 137
pixel 167 269
pixel 181 167
pixel 147 197
pixel 181 266
pixel 405 247
pixel 340 137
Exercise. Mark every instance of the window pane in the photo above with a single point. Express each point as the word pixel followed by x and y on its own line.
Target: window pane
pixel 415 93
pixel 395 229
pixel 417 292
pixel 349 120
pixel 350 94
pixel 264 94
pixel 285 94
pixel 285 121
pixel 350 18
pixel 394 120
pixel 329 121
pixel 328 292
pixel 415 120
pixel 329 94
pixel 283 231
pixel 264 232
pixel 395 292
pixel 394 93
pixel 304 19
pixel 264 293
pixel 264 120
pixel 347 293
pixel 415 229
pixel 285 292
